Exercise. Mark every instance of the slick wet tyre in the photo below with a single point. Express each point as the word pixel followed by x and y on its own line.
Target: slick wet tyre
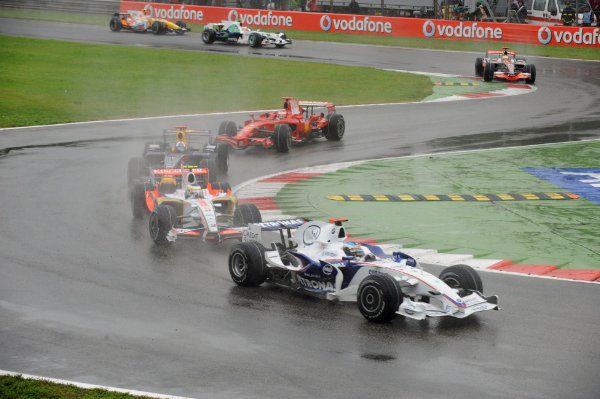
pixel 283 138
pixel 531 69
pixel 245 214
pixel 335 128
pixel 222 158
pixel 255 40
pixel 138 200
pixel 221 186
pixel 135 170
pixel 479 66
pixel 209 36
pixel 247 264
pixel 488 72
pixel 161 222
pixel 115 24
pixel 228 128
pixel 462 277
pixel 379 297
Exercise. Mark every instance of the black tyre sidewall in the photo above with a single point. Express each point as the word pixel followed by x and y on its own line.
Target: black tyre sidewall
pixel 283 138
pixel 252 253
pixel 379 297
pixel 336 128
pixel 465 276
pixel 165 217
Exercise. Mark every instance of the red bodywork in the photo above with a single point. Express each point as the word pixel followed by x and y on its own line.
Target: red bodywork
pixel 299 115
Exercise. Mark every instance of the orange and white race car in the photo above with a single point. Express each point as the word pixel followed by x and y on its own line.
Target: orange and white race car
pixel 183 203
pixel 504 65
pixel 142 21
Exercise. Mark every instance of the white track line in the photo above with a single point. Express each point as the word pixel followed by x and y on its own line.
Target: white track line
pixel 92 386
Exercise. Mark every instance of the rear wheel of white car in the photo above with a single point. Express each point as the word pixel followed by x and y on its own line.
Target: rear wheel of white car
pixel 115 24
pixel 531 69
pixel 462 277
pixel 158 27
pixel 247 264
pixel 280 45
pixel 379 297
pixel 336 127
pixel 255 40
pixel 283 138
pixel 245 214
pixel 228 128
pixel 138 200
pixel 209 36
pixel 488 72
pixel 479 66
pixel 161 222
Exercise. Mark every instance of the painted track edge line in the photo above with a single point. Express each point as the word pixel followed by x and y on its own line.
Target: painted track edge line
pixel 92 386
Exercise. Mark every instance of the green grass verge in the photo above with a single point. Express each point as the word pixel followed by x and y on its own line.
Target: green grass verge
pixel 21 388
pixel 563 233
pixel 48 81
pixel 412 42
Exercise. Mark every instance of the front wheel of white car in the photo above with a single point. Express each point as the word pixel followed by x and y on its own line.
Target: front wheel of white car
pixel 161 222
pixel 247 264
pixel 462 277
pixel 379 297
pixel 255 40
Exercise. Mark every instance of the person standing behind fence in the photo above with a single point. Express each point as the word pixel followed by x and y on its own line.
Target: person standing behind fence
pixel 354 7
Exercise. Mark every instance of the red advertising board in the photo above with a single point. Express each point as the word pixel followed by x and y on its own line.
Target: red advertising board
pixel 375 25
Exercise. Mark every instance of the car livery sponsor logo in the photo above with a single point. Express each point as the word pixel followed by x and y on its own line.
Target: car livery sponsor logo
pixel 281 224
pixel 173 12
pixel 469 31
pixel 261 19
pixel 327 270
pixel 584 182
pixel 311 234
pixel 546 36
pixel 356 24
pixel 315 285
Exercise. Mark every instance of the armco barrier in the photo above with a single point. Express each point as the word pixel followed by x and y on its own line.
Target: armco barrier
pixel 383 26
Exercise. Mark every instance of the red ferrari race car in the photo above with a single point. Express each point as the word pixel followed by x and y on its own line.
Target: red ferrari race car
pixel 298 122
pixel 504 65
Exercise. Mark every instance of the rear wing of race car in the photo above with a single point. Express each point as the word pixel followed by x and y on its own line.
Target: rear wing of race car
pixel 175 172
pixel 183 134
pixel 254 230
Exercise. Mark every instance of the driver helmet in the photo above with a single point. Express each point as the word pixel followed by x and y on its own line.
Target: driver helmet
pixel 147 10
pixel 193 191
pixel 180 146
pixel 354 250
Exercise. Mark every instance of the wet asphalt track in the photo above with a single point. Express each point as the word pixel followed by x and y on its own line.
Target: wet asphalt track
pixel 85 296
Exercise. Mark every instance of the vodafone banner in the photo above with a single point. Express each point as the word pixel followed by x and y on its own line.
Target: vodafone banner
pixel 374 25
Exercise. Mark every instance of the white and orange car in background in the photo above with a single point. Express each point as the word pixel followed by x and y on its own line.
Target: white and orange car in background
pixel 142 21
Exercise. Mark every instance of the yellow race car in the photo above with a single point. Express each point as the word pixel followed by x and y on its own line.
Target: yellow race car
pixel 142 21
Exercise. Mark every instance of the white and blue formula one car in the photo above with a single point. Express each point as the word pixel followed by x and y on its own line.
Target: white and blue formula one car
pixel 315 258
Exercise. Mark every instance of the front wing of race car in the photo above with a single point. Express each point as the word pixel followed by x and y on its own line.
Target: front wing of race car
pixel 271 39
pixel 512 77
pixel 472 303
